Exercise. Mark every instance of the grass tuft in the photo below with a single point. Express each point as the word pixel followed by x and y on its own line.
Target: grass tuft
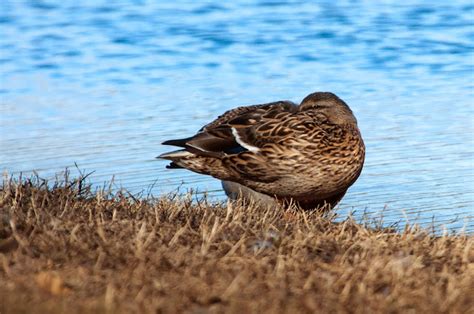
pixel 67 248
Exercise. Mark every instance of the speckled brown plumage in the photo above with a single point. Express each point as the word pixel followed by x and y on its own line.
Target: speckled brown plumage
pixel 310 154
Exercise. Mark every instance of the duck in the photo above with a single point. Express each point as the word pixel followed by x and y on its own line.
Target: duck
pixel 279 153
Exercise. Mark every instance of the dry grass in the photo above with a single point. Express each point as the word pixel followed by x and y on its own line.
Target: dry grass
pixel 66 249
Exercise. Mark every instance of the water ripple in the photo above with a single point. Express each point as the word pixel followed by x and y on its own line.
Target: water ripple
pixel 104 85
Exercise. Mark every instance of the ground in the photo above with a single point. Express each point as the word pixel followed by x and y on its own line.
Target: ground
pixel 64 248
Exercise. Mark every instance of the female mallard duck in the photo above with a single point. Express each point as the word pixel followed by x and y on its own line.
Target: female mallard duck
pixel 308 154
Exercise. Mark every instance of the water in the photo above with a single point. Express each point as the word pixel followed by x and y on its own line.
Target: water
pixel 102 85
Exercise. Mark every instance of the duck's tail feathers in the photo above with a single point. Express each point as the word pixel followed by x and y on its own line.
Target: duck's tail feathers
pixel 201 164
pixel 173 165
pixel 174 155
pixel 178 142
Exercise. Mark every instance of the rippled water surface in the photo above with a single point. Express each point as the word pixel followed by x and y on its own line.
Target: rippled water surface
pixel 102 84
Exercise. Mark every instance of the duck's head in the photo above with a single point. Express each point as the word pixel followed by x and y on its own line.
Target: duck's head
pixel 333 108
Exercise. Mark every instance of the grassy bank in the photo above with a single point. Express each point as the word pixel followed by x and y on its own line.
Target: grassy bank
pixel 66 249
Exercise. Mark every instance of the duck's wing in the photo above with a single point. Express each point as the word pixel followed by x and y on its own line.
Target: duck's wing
pixel 235 130
pixel 283 144
pixel 256 112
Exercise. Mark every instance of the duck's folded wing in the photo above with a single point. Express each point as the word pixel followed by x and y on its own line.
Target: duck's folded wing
pixel 247 113
pixel 231 133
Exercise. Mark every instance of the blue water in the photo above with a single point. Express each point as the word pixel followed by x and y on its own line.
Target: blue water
pixel 102 84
